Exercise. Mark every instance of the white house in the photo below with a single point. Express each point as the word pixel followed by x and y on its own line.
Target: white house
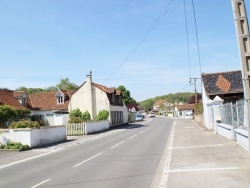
pixel 184 111
pixel 93 97
pixel 52 106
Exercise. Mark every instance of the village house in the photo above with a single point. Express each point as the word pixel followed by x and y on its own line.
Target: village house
pixel 93 97
pixel 224 106
pixel 52 106
pixel 184 111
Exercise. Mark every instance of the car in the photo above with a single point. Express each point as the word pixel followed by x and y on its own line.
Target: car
pixel 151 115
pixel 139 117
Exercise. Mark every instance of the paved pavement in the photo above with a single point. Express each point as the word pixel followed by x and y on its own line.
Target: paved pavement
pixel 197 157
pixel 194 157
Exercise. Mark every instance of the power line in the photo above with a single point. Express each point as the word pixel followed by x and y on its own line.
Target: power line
pixel 197 39
pixel 187 34
pixel 163 13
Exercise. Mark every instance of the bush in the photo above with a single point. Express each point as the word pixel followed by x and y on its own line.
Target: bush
pixel 15 145
pixel 75 120
pixel 86 116
pixel 24 124
pixel 102 115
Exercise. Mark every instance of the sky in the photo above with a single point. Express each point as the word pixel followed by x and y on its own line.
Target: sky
pixel 140 44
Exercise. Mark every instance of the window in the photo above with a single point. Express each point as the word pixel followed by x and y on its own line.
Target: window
pixel 24 101
pixel 113 98
pixel 60 100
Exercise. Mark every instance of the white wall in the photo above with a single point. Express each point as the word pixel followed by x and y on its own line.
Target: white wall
pixel 91 127
pixel 58 119
pixel 37 137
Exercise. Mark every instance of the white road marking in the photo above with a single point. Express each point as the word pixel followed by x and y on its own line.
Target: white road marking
pixel 40 183
pixel 203 169
pixel 88 159
pixel 117 144
pixel 165 173
pixel 133 136
pixel 214 145
pixel 141 131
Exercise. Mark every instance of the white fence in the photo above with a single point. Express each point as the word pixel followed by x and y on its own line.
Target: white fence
pixel 74 129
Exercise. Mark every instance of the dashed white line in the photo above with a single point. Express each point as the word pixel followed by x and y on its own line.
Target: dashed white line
pixel 88 159
pixel 141 131
pixel 40 183
pixel 117 144
pixel 133 136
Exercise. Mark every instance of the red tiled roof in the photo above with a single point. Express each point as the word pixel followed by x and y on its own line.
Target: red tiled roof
pixel 130 106
pixel 104 88
pixel 7 97
pixel 185 107
pixel 159 102
pixel 48 101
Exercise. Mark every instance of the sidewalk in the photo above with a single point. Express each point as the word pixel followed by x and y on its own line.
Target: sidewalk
pixel 199 158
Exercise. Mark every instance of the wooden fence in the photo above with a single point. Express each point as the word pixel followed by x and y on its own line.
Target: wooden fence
pixel 74 129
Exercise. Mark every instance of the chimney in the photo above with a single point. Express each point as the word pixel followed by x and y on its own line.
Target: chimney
pixel 89 77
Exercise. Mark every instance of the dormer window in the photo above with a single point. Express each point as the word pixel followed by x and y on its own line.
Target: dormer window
pixel 60 97
pixel 60 100
pixel 24 101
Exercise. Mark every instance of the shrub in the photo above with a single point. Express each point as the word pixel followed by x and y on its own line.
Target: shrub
pixel 75 113
pixel 86 116
pixel 102 115
pixel 24 124
pixel 75 120
pixel 15 145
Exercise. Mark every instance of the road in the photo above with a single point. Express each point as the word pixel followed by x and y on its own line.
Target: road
pixel 128 158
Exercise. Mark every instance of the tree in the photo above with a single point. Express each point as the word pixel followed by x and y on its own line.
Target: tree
pixel 192 98
pixel 6 112
pixel 65 84
pixel 126 98
pixel 147 104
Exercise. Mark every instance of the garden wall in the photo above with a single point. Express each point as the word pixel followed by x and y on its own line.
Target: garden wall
pixel 36 137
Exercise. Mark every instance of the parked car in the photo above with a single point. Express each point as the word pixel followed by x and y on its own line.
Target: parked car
pixel 151 115
pixel 139 117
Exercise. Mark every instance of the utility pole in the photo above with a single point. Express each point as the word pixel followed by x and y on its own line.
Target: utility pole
pixel 242 30
pixel 195 91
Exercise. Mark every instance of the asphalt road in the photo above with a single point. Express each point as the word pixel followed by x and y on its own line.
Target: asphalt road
pixel 128 158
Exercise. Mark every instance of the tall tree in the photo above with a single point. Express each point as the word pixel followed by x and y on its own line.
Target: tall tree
pixel 126 98
pixel 65 84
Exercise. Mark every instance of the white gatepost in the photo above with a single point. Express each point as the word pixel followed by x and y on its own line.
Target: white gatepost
pixel 210 115
pixel 217 102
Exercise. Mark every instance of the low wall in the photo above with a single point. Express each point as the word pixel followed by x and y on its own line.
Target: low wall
pixel 37 137
pixel 225 130
pixel 91 127
pixel 242 138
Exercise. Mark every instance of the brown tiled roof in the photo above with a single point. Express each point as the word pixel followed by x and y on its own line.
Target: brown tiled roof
pixel 223 83
pixel 130 106
pixel 7 97
pixel 185 107
pixel 106 89
pixel 159 102
pixel 48 101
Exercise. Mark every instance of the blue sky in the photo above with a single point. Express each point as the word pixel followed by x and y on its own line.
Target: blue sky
pixel 44 40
